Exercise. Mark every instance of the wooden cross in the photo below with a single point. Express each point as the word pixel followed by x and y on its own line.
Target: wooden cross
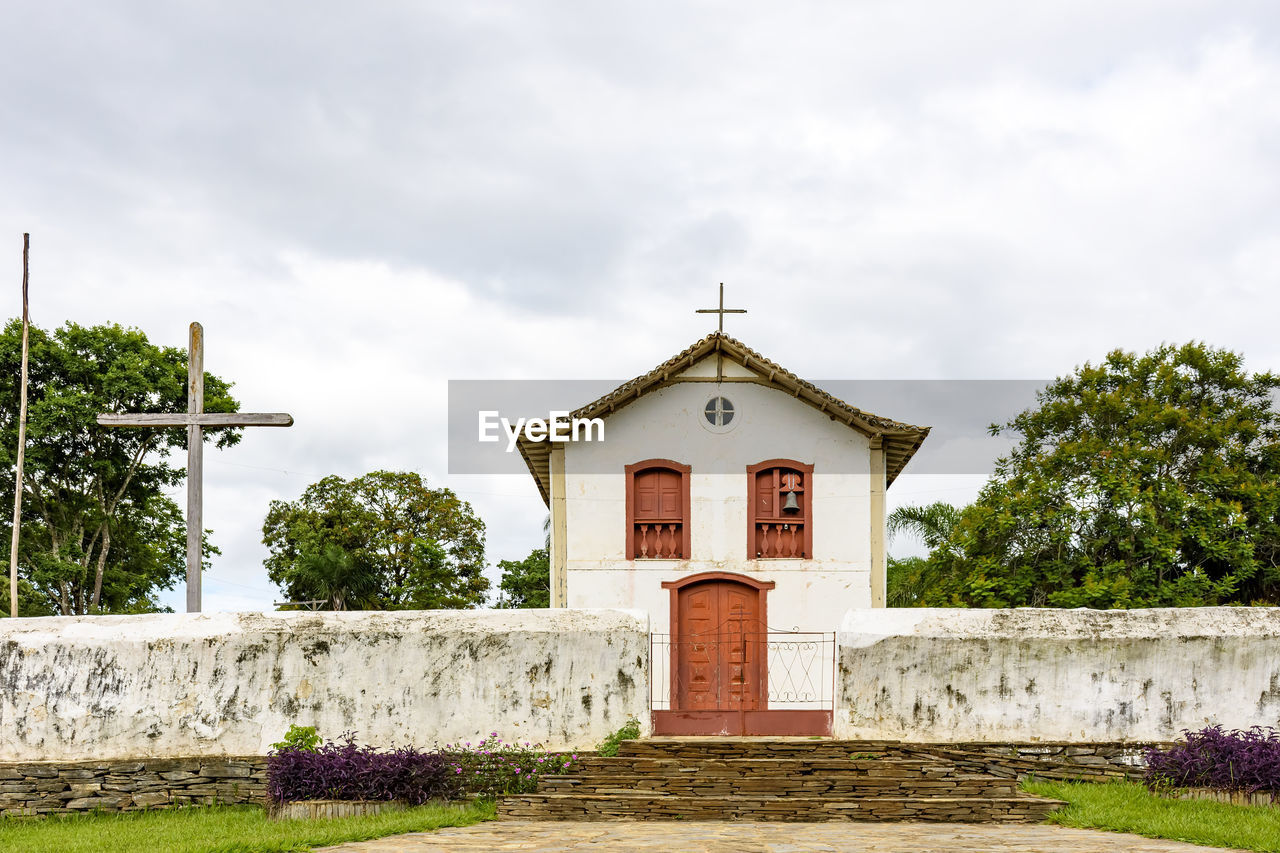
pixel 195 420
pixel 721 310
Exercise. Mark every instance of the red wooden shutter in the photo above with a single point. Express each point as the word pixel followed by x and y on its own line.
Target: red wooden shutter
pixel 658 523
pixel 648 495
pixel 767 493
pixel 774 533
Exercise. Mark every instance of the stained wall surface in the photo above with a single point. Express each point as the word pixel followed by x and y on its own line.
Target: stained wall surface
pixel 156 686
pixel 1055 675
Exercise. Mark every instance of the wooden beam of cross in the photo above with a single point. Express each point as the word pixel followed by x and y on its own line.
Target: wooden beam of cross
pixel 195 420
pixel 721 310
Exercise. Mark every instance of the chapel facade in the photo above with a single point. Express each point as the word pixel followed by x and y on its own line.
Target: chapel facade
pixel 730 500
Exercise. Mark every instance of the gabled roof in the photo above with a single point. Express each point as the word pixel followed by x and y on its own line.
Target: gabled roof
pixel 900 440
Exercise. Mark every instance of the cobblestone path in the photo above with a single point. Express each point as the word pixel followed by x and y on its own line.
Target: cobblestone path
pixel 726 837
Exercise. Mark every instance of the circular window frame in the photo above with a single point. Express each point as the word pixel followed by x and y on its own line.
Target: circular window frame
pixel 720 429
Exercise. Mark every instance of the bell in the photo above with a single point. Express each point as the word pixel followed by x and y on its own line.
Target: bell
pixel 790 504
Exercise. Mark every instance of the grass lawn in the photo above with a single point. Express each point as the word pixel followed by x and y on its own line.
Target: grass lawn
pixel 1130 807
pixel 224 829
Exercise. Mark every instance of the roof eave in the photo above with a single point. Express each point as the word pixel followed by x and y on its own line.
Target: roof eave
pixel 901 437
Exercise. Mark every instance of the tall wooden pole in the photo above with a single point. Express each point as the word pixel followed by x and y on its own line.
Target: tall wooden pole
pixel 22 435
pixel 195 465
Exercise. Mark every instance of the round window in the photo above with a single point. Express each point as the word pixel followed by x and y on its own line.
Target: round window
pixel 719 413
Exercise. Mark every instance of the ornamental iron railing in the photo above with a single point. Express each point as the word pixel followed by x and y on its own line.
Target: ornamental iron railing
pixel 730 670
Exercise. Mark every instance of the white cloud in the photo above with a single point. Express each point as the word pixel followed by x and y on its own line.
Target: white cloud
pixel 362 204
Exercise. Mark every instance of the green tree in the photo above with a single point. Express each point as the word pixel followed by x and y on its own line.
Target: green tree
pixel 1143 481
pixel 424 547
pixel 911 581
pixel 908 581
pixel 527 582
pixel 931 524
pixel 336 577
pixel 436 584
pixel 99 533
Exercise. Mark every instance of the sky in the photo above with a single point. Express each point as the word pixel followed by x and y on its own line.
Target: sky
pixel 361 202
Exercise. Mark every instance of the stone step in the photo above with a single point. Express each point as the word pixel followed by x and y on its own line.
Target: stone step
pixel 754 748
pixel 735 765
pixel 1015 809
pixel 795 779
pixel 784 786
pixel 778 776
pixel 746 767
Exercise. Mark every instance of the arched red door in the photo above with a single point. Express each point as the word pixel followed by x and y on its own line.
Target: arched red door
pixel 717 656
pixel 718 639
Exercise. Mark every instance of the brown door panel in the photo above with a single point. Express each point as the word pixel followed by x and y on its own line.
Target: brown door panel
pixel 719 639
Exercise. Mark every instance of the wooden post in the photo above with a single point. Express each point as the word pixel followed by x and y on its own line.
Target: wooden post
pixel 559 555
pixel 195 465
pixel 878 556
pixel 22 436
pixel 195 420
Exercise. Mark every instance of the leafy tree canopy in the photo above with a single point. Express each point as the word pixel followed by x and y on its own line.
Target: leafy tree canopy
pixel 423 547
pixel 1143 481
pixel 527 582
pixel 340 580
pixel 911 581
pixel 99 533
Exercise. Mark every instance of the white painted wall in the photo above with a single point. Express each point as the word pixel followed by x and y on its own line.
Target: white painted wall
pixel 232 683
pixel 1030 674
pixel 120 687
pixel 668 423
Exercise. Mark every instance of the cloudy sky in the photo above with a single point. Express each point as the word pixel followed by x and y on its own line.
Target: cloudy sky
pixel 363 201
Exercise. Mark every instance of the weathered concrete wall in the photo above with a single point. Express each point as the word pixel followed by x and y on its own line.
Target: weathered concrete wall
pixel 118 687
pixel 1055 675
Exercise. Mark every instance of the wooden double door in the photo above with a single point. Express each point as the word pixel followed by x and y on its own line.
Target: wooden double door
pixel 718 650
pixel 718 647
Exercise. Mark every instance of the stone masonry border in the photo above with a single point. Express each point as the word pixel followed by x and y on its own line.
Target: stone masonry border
pixel 1057 760
pixel 34 789
pixel 38 789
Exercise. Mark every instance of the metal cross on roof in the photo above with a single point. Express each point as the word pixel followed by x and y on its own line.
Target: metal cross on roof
pixel 721 310
pixel 195 420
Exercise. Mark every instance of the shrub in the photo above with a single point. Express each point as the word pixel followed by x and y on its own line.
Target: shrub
pixel 1234 760
pixel 301 738
pixel 345 771
pixel 494 767
pixel 630 731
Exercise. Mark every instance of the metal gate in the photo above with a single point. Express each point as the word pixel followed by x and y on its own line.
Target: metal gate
pixel 743 683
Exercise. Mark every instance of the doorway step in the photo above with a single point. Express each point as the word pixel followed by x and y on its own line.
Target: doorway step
pixel 774 780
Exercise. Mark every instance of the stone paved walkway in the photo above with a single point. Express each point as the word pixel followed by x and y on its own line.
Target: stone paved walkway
pixel 727 837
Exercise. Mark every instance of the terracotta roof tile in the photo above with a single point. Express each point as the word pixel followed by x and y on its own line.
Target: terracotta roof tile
pixel 901 440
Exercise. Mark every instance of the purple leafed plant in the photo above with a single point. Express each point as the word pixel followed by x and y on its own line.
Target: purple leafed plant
pixel 494 767
pixel 1215 758
pixel 345 771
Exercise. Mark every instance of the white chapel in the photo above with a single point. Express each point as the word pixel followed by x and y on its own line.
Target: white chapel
pixel 721 470
pixel 743 509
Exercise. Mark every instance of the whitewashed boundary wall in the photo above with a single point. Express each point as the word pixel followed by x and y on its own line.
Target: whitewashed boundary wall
pixel 115 687
pixel 1055 675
